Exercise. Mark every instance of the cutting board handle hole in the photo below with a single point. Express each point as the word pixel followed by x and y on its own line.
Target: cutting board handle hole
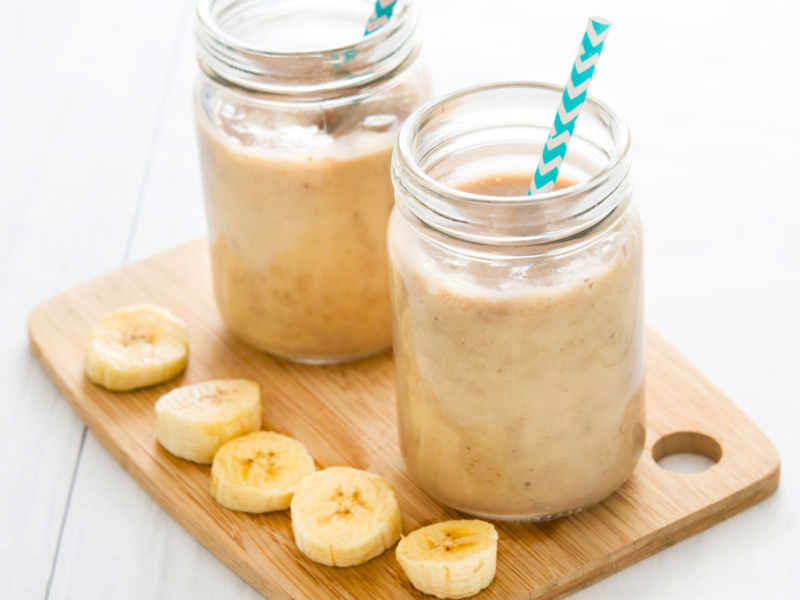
pixel 687 452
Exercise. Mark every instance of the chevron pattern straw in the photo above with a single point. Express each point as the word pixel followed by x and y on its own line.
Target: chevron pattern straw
pixel 555 149
pixel 381 15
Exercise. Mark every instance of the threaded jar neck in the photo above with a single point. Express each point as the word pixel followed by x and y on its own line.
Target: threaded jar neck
pixel 508 123
pixel 231 49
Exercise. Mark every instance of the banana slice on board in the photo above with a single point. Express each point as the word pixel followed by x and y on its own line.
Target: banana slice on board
pixel 135 347
pixel 454 559
pixel 259 472
pixel 193 421
pixel 343 517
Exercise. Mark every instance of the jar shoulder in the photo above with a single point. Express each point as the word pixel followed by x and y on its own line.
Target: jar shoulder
pixel 260 120
pixel 417 250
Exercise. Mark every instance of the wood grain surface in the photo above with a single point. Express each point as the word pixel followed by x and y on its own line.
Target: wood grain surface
pixel 74 158
pixel 345 415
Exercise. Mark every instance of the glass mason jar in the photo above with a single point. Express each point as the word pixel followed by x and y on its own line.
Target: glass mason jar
pixel 296 132
pixel 518 320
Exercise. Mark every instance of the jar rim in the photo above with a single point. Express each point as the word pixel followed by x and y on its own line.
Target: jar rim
pixel 295 72
pixel 204 18
pixel 413 122
pixel 427 137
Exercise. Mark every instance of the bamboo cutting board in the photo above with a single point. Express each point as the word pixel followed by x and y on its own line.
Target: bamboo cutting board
pixel 345 415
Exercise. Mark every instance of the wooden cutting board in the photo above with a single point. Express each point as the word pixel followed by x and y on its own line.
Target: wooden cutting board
pixel 345 415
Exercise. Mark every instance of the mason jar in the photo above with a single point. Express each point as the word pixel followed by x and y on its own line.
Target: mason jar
pixel 519 333
pixel 297 112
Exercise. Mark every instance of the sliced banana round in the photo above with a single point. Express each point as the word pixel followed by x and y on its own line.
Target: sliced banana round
pixel 259 472
pixel 193 421
pixel 135 347
pixel 454 559
pixel 343 517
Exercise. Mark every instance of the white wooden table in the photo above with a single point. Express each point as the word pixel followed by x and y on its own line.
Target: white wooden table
pixel 98 168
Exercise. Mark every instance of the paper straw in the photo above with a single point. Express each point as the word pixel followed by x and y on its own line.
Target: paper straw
pixel 381 15
pixel 555 149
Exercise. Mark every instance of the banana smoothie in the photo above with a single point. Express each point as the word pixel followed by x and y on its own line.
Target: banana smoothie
pixel 297 112
pixel 520 385
pixel 298 244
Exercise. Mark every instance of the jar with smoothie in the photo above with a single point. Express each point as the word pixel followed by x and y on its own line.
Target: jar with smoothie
pixel 518 320
pixel 297 112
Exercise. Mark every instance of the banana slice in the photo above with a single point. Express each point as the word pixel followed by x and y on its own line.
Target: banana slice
pixel 343 517
pixel 260 472
pixel 193 421
pixel 455 559
pixel 135 347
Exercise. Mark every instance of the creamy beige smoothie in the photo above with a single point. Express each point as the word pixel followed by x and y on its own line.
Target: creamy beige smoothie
pixel 519 397
pixel 297 112
pixel 298 243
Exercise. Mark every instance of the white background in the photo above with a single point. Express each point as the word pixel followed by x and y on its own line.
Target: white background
pixel 98 168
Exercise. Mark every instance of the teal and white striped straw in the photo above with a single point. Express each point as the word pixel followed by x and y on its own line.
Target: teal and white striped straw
pixel 555 149
pixel 381 15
